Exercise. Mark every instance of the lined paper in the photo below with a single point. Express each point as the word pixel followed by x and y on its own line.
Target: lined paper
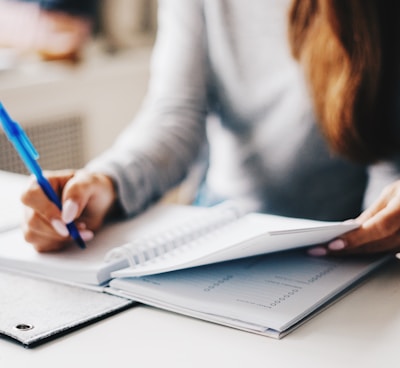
pixel 273 291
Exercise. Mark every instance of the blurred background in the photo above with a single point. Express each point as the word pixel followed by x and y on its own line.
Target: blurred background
pixel 74 105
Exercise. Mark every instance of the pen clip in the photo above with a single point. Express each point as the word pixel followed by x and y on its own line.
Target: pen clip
pixel 15 133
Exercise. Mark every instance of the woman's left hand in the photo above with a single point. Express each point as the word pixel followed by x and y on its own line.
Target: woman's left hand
pixel 379 229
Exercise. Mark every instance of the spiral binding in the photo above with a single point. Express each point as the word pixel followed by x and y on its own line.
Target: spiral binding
pixel 142 250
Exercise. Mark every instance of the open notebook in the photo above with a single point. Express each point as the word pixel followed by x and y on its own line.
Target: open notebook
pixel 269 295
pixel 167 238
pixel 198 244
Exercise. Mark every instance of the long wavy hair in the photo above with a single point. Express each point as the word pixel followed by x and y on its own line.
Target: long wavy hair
pixel 350 53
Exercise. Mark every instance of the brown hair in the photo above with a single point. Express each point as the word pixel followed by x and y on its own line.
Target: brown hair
pixel 352 68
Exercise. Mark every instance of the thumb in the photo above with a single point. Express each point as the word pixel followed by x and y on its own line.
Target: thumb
pixel 88 196
pixel 75 196
pixel 70 210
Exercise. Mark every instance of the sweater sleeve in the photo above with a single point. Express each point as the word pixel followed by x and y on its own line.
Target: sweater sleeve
pixel 156 150
pixel 379 176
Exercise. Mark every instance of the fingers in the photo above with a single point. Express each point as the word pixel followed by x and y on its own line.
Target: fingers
pixel 361 241
pixel 389 245
pixel 379 225
pixel 379 229
pixel 34 197
pixel 43 226
pixel 86 199
pixel 40 233
pixel 383 216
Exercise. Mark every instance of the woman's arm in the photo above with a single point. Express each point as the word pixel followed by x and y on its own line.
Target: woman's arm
pixel 155 152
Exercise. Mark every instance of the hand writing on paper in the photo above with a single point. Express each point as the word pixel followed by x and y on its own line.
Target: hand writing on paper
pixel 87 199
pixel 379 229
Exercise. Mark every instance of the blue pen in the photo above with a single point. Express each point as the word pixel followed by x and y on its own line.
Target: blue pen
pixel 29 155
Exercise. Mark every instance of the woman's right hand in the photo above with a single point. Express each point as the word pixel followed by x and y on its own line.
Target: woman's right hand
pixel 87 198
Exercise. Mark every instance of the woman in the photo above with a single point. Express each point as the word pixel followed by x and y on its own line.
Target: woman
pixel 304 128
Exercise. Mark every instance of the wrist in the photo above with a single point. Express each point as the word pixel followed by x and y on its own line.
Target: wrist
pixel 115 208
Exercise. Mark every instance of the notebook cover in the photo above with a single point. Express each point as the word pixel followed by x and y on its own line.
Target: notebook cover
pixel 34 311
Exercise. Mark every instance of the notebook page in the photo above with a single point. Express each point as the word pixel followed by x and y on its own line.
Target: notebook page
pixel 272 291
pixel 249 235
pixel 86 266
pixel 10 204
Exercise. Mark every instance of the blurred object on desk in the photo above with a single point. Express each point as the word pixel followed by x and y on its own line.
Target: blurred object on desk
pixel 35 28
pixel 66 109
pixel 8 58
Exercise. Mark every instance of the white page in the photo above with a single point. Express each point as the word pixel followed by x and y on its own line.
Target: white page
pixel 77 265
pixel 249 235
pixel 88 266
pixel 272 292
pixel 10 205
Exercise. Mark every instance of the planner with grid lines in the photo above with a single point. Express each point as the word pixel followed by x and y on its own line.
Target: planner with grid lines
pixel 223 264
pixel 167 238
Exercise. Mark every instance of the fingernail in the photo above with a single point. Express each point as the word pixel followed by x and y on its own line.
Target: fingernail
pixel 69 211
pixel 86 235
pixel 317 252
pixel 59 227
pixel 337 244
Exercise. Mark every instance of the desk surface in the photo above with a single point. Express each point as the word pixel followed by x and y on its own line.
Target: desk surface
pixel 11 186
pixel 360 330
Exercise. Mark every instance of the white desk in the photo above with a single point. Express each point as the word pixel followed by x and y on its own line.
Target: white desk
pixel 10 206
pixel 361 330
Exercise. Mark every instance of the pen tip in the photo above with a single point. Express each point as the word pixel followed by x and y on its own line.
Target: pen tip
pixel 80 243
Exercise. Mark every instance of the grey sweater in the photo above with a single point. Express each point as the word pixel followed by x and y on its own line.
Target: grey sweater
pixel 222 78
